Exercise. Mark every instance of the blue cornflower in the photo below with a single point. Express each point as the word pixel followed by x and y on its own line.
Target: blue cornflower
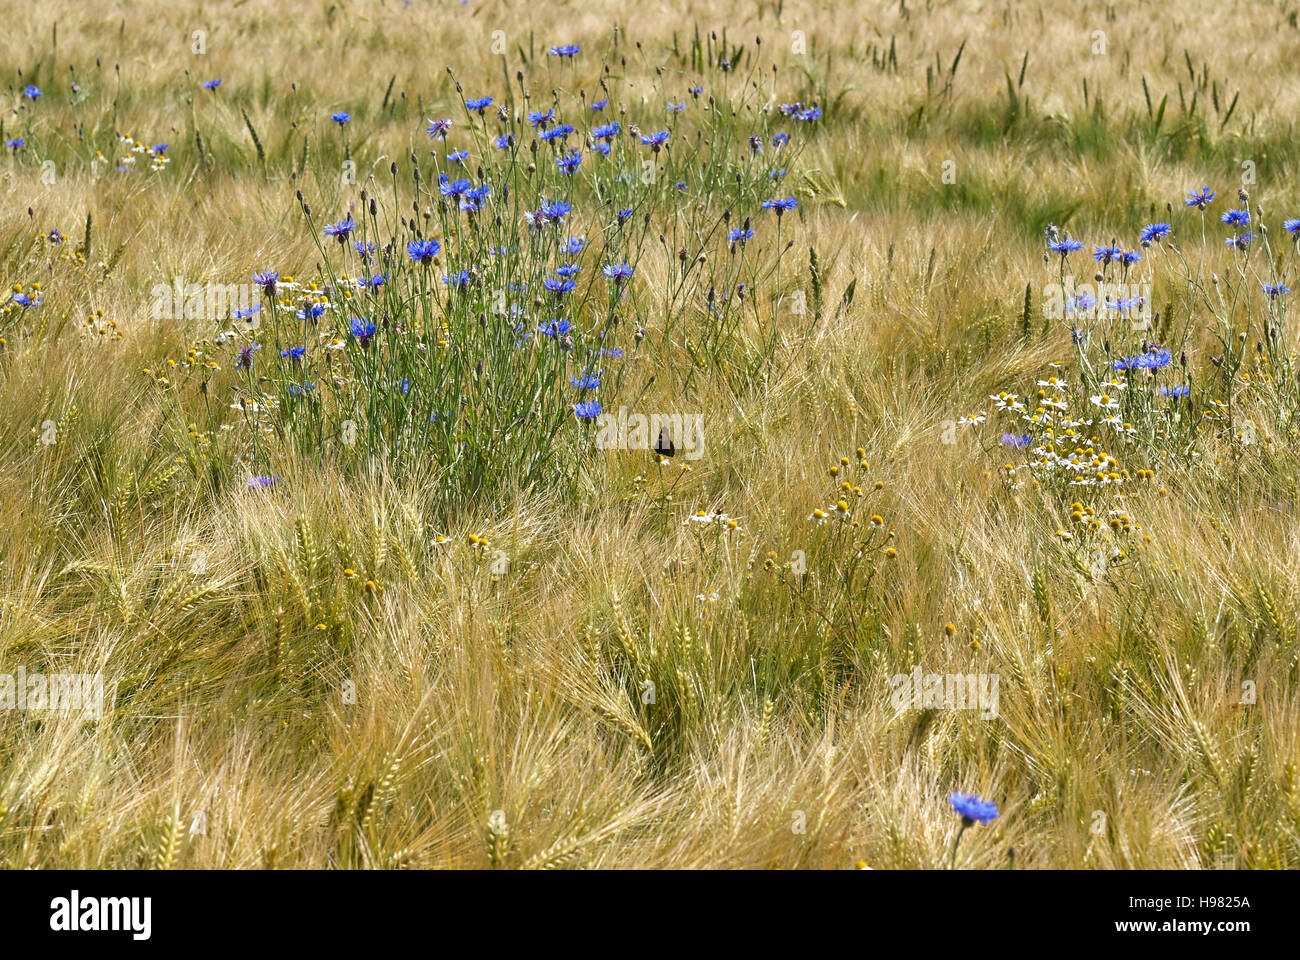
pixel 606 131
pixel 600 104
pixel 1241 241
pixel 655 140
pixel 739 235
pixel 1017 440
pixel 1131 256
pixel 1236 218
pixel 365 250
pixel 1153 232
pixel 473 198
pixel 437 129
pixel 311 311
pixel 624 214
pixel 211 84
pixel 601 147
pixel 972 809
pixel 618 272
pixel 341 117
pixel 569 163
pixel 376 280
pixel 566 50
pixel 1275 290
pixel 556 210
pixel 55 236
pixel 1180 390
pixel 1291 226
pixel 238 314
pixel 294 353
pixel 458 156
pixel 1153 360
pixel 1065 246
pixel 779 140
pixel 587 411
pixel 340 229
pixel 540 118
pixel 423 251
pixel 568 270
pixel 15 143
pixel 504 141
pixel 259 482
pixel 27 300
pixel 1125 305
pixel 676 107
pixel 245 359
pixel 615 352
pixel 556 133
pixel 573 246
pixel 1083 303
pixel 460 279
pixel 452 188
pixel 31 92
pixel 362 329
pixel 267 279
pixel 1107 254
pixel 589 382
pixel 1200 200
pixel 780 206
pixel 812 113
pixel 480 104
pixel 556 328
pixel 558 287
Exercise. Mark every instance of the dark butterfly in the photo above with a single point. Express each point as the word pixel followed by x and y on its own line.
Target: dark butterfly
pixel 664 447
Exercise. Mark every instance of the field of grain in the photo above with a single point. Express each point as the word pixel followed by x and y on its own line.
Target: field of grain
pixel 344 342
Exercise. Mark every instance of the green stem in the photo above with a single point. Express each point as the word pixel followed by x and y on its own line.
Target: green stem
pixel 952 865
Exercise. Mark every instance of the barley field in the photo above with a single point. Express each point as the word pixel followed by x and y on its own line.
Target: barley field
pixel 672 435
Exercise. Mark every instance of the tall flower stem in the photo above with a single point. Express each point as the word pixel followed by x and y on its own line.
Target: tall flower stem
pixel 952 865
